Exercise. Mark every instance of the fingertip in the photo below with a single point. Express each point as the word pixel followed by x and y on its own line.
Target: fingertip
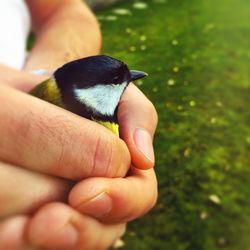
pixel 124 165
pixel 12 233
pixel 51 227
pixel 91 197
pixel 144 144
pixel 117 199
pixel 140 145
pixel 58 226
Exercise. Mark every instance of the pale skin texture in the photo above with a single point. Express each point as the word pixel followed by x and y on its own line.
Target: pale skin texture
pixel 38 138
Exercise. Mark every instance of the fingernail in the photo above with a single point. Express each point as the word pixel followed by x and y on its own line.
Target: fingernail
pixel 97 206
pixel 66 237
pixel 144 143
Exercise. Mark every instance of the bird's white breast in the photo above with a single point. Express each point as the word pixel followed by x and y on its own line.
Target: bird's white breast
pixel 102 98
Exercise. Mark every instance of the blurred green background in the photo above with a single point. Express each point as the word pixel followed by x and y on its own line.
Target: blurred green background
pixel 197 53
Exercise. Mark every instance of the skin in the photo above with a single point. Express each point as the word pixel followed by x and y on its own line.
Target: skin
pixel 51 19
pixel 36 214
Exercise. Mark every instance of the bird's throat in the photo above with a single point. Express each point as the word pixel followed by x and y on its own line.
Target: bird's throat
pixel 101 98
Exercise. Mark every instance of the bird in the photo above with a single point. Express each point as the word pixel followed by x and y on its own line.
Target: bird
pixel 90 87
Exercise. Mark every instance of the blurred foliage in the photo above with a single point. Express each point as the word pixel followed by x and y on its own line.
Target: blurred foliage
pixel 197 54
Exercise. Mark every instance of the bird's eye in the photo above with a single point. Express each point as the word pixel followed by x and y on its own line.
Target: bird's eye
pixel 115 79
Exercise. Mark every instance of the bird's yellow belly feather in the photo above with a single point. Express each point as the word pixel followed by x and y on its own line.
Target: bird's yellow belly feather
pixel 114 127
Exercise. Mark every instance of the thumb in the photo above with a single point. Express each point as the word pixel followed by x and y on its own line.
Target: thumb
pixel 138 119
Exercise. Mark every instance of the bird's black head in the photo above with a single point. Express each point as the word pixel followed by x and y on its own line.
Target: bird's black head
pixel 91 71
pixel 95 70
pixel 95 82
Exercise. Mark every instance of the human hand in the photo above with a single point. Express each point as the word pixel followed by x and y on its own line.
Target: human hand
pixel 137 185
pixel 57 226
pixel 13 229
pixel 19 79
pixel 42 137
pixel 19 135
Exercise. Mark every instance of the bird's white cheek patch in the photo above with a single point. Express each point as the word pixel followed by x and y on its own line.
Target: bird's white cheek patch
pixel 102 98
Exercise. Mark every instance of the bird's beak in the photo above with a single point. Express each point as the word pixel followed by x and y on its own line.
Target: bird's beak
pixel 136 74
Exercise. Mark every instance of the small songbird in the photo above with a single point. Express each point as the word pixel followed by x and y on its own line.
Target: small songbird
pixel 90 87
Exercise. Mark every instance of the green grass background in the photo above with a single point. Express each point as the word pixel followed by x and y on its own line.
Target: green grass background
pixel 197 54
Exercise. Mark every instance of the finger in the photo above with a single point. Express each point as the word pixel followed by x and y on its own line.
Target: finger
pixel 138 119
pixel 19 79
pixel 46 138
pixel 12 233
pixel 57 226
pixel 118 199
pixel 23 191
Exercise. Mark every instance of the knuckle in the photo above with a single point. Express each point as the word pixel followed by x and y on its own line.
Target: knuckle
pixel 123 154
pixel 103 158
pixel 152 194
pixel 151 202
pixel 153 198
pixel 123 228
pixel 111 157
pixel 152 111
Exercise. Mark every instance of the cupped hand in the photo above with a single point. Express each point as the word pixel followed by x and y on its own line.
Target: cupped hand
pixel 57 226
pixel 93 222
pixel 45 138
pixel 124 199
pixel 115 200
